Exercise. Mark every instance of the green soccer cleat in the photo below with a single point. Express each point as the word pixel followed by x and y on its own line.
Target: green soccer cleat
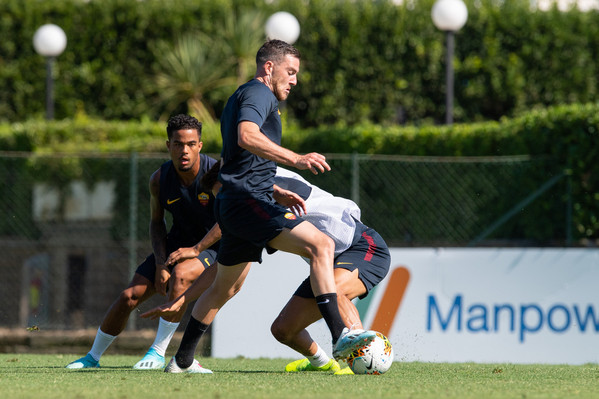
pixel 344 371
pixel 305 365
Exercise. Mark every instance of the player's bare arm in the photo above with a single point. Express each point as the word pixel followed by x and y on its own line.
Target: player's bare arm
pixel 182 254
pixel 166 309
pixel 290 200
pixel 158 234
pixel 191 294
pixel 252 139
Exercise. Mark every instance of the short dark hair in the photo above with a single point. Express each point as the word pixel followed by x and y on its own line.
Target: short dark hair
pixel 182 121
pixel 275 50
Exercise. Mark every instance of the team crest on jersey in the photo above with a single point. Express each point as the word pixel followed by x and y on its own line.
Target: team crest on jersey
pixel 290 216
pixel 203 198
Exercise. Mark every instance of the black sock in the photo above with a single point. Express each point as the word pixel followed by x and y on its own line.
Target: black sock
pixel 189 342
pixel 327 304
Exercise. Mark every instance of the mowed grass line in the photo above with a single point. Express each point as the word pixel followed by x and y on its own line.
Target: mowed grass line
pixel 44 376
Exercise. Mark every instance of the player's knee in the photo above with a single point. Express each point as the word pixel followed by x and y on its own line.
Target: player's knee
pixel 129 299
pixel 234 290
pixel 223 293
pixel 181 280
pixel 279 331
pixel 323 246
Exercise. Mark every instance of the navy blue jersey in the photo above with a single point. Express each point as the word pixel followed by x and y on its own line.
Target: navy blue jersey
pixel 244 174
pixel 192 207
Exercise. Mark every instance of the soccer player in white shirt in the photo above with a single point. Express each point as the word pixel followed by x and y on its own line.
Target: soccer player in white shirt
pixel 362 260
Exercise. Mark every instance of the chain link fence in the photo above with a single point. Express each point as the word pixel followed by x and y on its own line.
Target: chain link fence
pixel 74 228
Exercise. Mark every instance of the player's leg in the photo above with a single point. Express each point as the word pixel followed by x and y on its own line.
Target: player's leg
pixel 370 257
pixel 138 291
pixel 115 320
pixel 182 276
pixel 228 281
pixel 306 240
pixel 290 326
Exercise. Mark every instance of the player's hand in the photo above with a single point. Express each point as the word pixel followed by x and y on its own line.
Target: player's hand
pixel 290 200
pixel 168 309
pixel 161 279
pixel 180 255
pixel 313 161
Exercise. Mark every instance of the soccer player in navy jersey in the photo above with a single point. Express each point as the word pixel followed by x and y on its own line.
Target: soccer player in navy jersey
pixel 248 217
pixel 362 260
pixel 180 255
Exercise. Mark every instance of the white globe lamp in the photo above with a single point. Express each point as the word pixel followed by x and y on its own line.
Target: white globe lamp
pixel 449 16
pixel 50 41
pixel 282 26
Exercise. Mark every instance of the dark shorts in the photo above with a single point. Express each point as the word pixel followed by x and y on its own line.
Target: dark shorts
pixel 369 254
pixel 148 267
pixel 247 225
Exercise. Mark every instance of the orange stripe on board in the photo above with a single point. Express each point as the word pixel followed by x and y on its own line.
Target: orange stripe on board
pixel 389 305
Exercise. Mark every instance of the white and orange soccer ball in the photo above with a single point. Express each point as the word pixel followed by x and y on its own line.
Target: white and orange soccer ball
pixel 374 358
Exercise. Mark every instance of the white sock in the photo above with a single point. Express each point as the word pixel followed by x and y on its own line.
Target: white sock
pixel 320 358
pixel 165 333
pixel 101 343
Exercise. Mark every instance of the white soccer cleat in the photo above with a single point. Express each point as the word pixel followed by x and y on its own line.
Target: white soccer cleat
pixel 195 368
pixel 151 361
pixel 350 341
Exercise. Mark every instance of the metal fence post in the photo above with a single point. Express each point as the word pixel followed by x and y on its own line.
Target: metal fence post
pixel 569 199
pixel 133 195
pixel 355 178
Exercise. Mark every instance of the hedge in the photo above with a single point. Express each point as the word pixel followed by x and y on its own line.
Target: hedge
pixel 568 135
pixel 363 61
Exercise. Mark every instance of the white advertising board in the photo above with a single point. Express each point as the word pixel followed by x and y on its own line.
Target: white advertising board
pixel 443 305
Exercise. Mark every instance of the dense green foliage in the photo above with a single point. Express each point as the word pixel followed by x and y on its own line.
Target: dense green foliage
pixel 26 375
pixel 363 60
pixel 564 139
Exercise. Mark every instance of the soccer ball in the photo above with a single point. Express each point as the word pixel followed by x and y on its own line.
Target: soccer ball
pixel 374 358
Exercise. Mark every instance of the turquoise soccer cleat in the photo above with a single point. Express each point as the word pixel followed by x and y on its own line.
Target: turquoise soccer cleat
pixel 350 341
pixel 150 361
pixel 86 362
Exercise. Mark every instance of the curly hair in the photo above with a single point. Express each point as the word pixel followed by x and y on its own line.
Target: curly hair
pixel 275 50
pixel 181 121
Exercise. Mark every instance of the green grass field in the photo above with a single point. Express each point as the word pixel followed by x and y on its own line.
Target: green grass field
pixel 44 376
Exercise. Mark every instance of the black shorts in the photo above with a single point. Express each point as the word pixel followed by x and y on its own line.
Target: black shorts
pixel 148 267
pixel 247 225
pixel 369 254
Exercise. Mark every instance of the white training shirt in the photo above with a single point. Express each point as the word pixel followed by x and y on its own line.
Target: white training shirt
pixel 334 216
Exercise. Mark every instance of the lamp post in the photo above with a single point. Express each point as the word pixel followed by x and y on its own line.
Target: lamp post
pixel 283 26
pixel 449 16
pixel 50 41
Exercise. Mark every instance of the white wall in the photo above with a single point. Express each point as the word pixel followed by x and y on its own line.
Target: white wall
pixel 459 305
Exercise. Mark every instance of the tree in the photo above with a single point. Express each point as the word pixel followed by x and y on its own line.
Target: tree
pixel 192 68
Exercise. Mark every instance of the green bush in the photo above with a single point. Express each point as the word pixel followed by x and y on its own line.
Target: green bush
pixel 83 135
pixel 362 60
pixel 567 136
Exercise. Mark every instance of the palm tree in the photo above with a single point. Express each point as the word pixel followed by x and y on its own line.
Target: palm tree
pixel 197 64
pixel 189 70
pixel 244 35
